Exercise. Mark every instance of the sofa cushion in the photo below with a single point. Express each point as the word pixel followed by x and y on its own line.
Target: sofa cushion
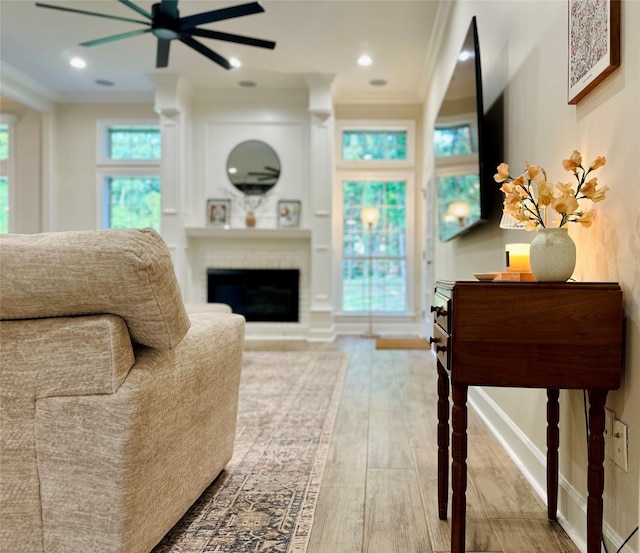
pixel 124 272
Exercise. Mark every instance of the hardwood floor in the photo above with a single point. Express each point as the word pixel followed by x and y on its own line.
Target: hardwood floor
pixel 379 490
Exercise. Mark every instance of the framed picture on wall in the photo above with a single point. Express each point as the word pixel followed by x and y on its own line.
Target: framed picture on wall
pixel 594 44
pixel 288 213
pixel 218 213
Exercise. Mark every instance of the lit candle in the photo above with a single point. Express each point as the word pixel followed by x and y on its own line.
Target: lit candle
pixel 518 258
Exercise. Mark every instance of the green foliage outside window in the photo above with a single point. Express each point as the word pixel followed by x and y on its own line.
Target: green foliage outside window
pixel 4 205
pixel 129 142
pixel 374 145
pixel 387 245
pixel 4 142
pixel 452 141
pixel 133 202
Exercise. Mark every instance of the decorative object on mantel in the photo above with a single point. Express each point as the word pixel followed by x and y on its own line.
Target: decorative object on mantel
pixel 594 45
pixel 288 213
pixel 250 219
pixel 218 213
pixel 528 200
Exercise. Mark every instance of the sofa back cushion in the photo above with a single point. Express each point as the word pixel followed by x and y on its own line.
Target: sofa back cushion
pixel 124 272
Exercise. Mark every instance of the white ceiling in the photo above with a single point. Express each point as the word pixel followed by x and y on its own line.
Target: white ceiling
pixel 312 36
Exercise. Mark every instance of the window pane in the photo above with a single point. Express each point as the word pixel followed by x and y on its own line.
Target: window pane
pixel 4 205
pixel 374 145
pixel 129 142
pixel 4 141
pixel 133 202
pixel 386 273
pixel 452 141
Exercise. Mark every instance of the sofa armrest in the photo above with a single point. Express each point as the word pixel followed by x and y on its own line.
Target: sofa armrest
pixel 64 356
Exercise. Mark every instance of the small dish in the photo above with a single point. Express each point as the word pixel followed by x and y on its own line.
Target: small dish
pixel 485 276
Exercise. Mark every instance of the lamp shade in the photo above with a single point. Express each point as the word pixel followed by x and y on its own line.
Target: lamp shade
pixel 370 215
pixel 459 210
pixel 510 222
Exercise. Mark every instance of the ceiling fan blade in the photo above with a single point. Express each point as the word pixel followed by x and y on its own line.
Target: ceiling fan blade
pixel 115 37
pixel 162 53
pixel 138 9
pixel 72 10
pixel 169 8
pixel 193 43
pixel 192 21
pixel 206 33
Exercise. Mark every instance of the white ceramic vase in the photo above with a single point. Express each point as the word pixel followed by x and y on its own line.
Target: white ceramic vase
pixel 552 255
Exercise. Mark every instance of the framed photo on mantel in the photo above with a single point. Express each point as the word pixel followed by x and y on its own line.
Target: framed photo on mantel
pixel 218 213
pixel 594 44
pixel 288 213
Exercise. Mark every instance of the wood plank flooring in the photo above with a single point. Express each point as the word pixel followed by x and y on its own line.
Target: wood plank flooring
pixel 379 490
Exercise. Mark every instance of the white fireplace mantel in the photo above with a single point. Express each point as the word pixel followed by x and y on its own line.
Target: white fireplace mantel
pixel 249 233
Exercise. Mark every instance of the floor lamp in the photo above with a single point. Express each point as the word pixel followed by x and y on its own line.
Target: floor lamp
pixel 370 216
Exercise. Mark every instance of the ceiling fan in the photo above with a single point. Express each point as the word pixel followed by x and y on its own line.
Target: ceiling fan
pixel 166 24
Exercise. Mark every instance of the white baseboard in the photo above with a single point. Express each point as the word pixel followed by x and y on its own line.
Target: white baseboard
pixel 572 505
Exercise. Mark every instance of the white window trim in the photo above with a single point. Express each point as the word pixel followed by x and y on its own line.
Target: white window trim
pixel 376 125
pixel 103 174
pixel 104 125
pixel 368 175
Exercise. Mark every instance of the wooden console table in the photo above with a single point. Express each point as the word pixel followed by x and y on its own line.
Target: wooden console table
pixel 530 335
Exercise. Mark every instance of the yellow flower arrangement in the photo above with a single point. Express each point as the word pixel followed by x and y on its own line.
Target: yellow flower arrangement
pixel 527 198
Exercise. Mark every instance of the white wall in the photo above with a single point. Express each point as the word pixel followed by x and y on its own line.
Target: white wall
pixel 523 48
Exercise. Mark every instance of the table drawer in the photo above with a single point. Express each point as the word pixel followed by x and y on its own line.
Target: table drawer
pixel 441 309
pixel 441 345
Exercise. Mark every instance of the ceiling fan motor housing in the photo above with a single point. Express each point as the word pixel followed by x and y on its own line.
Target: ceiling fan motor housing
pixel 163 25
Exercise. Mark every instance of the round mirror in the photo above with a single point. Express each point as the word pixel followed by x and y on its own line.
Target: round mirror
pixel 253 167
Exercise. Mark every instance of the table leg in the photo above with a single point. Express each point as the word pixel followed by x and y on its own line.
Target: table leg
pixel 553 440
pixel 459 467
pixel 595 471
pixel 443 442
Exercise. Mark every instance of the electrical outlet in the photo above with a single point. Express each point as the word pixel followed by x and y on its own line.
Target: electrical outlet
pixel 620 445
pixel 609 416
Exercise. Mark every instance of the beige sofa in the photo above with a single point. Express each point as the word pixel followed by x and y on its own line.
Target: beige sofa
pixel 117 408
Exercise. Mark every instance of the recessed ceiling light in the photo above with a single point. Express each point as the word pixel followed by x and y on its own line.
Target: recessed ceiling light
pixel 377 82
pixel 464 55
pixel 235 62
pixel 104 82
pixel 78 63
pixel 247 84
pixel 365 60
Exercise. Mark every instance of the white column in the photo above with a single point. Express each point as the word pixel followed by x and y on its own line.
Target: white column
pixel 321 325
pixel 171 104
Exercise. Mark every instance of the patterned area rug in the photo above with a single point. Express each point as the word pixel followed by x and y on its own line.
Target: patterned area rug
pixel 265 499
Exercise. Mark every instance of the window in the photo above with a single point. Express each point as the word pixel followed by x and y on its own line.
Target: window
pixel 374 145
pixel 132 142
pixel 132 201
pixel 376 158
pixel 377 260
pixel 4 179
pixel 129 175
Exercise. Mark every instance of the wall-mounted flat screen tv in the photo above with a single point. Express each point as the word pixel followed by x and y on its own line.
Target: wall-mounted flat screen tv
pixel 458 145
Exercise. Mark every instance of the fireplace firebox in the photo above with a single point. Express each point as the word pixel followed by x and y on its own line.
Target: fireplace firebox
pixel 261 295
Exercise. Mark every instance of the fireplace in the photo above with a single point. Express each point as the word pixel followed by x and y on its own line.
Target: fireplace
pixel 261 295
